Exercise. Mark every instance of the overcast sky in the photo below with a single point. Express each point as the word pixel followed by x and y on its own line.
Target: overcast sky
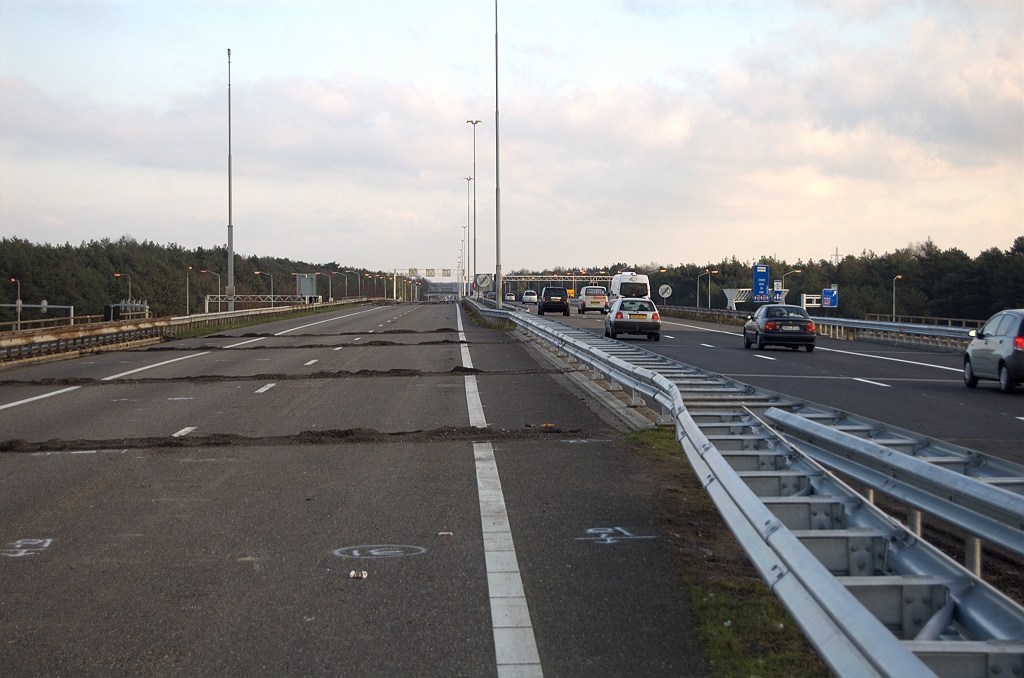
pixel 673 132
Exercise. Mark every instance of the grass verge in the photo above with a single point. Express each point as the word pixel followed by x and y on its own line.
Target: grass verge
pixel 194 332
pixel 477 319
pixel 743 628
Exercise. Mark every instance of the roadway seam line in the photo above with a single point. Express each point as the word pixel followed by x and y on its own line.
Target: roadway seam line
pixel 149 367
pixel 247 341
pixel 515 646
pixel 320 322
pixel 874 383
pixel 38 397
pixel 264 389
pixel 184 432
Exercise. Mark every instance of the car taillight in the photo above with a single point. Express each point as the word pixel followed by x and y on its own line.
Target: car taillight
pixel 655 317
pixel 810 327
pixel 1018 343
pixel 771 325
pixel 618 315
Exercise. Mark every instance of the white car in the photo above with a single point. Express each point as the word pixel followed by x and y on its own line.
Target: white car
pixel 593 298
pixel 529 297
pixel 509 296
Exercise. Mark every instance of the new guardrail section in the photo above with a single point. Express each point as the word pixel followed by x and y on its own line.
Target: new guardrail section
pixel 872 597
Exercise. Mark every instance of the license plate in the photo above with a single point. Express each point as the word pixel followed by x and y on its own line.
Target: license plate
pixel 637 316
pixel 790 328
pixel 556 298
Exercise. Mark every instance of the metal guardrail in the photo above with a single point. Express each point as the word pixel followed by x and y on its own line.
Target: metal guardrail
pixel 870 595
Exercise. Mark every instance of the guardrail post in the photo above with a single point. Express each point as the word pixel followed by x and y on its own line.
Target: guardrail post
pixel 972 554
pixel 914 521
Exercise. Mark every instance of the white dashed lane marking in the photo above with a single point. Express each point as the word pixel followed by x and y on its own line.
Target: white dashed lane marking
pixel 707 345
pixel 38 397
pixel 149 367
pixel 874 383
pixel 311 362
pixel 184 432
pixel 764 357
pixel 264 389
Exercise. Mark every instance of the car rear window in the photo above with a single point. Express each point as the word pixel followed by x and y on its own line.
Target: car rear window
pixel 637 305
pixel 786 312
pixel 592 291
pixel 555 292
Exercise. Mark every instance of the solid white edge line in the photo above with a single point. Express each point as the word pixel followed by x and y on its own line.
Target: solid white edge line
pixel 515 645
pixel 184 431
pixel 38 397
pixel 875 383
pixel 264 389
pixel 247 341
pixel 149 367
pixel 320 322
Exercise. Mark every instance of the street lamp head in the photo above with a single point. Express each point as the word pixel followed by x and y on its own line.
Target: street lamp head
pixel 255 272
pixel 715 272
pixel 796 270
pixel 899 277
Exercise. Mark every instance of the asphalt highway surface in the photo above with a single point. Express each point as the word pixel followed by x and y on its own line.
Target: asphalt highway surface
pixel 209 507
pixel 914 388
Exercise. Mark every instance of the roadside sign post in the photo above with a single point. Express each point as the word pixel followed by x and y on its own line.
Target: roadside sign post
pixel 761 292
pixel 665 291
pixel 830 298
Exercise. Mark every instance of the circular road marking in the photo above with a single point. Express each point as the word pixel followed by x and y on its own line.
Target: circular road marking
pixel 379 551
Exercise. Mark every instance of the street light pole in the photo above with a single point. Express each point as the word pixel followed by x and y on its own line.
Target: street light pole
pixel 795 270
pixel 218 286
pixel 186 289
pixel 271 287
pixel 894 296
pixel 231 227
pixel 709 272
pixel 497 172
pixel 127 275
pixel 474 123
pixel 18 302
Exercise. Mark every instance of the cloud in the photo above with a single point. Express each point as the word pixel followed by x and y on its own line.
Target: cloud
pixel 802 129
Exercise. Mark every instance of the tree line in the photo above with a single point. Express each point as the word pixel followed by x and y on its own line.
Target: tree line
pixel 942 283
pixel 934 282
pixel 83 276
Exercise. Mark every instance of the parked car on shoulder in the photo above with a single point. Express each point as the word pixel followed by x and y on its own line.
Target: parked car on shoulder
pixel 629 315
pixel 529 297
pixel 553 299
pixel 593 298
pixel 996 351
pixel 779 325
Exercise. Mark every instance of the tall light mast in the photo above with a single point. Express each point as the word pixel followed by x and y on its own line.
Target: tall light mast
pixel 497 173
pixel 231 229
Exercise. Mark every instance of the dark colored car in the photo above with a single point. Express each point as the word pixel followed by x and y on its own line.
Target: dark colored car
pixel 632 315
pixel 996 351
pixel 553 299
pixel 779 325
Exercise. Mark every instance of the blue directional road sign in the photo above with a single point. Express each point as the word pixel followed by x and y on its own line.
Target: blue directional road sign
pixel 761 292
pixel 830 298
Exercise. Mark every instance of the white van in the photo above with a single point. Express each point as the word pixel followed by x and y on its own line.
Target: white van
pixel 630 284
